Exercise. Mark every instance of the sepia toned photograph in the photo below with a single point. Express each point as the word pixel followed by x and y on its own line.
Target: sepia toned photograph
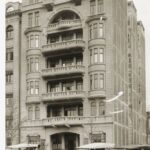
pixel 77 75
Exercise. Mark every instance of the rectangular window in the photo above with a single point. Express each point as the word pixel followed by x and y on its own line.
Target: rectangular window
pixel 93 109
pixel 95 55
pixel 36 41
pixel 9 77
pixel 8 141
pixel 36 87
pixel 95 81
pixel 30 20
pixel 101 81
pixel 31 87
pixel 32 45
pixel 31 65
pixel 79 86
pixel 28 88
pixel 92 7
pixel 91 32
pixel 100 31
pixel 28 65
pixel 100 7
pixel 95 31
pixel 101 108
pixel 9 54
pixel 37 112
pixel 80 111
pixel 36 64
pixel 91 57
pixel 9 123
pixel 91 82
pixel 101 55
pixel 36 18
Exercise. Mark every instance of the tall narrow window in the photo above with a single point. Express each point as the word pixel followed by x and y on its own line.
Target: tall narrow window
pixel 36 18
pixel 36 64
pixel 37 112
pixel 31 65
pixel 100 7
pixel 91 32
pixel 28 65
pixel 91 82
pixel 30 113
pixel 36 87
pixel 92 7
pixel 95 81
pixel 101 81
pixel 32 45
pixel 95 31
pixel 9 32
pixel 31 87
pixel 93 109
pixel 36 41
pixel 9 54
pixel 28 88
pixel 79 86
pixel 30 20
pixel 101 55
pixel 100 31
pixel 95 55
pixel 9 77
pixel 91 57
pixel 101 108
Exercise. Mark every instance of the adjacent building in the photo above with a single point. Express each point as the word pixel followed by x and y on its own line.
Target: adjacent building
pixel 64 59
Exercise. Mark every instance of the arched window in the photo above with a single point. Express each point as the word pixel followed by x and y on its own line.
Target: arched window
pixel 37 112
pixel 30 113
pixel 9 32
pixel 9 9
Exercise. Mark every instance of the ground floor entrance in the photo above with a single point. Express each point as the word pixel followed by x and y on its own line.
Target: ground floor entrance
pixel 64 141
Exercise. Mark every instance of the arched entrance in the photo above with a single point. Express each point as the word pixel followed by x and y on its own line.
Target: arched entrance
pixel 64 141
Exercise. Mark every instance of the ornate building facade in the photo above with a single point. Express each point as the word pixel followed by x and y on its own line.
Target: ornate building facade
pixel 66 58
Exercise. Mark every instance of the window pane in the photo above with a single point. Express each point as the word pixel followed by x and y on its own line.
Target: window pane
pixel 100 6
pixel 101 81
pixel 30 19
pixel 95 30
pixel 32 65
pixel 37 112
pixel 93 109
pixel 101 108
pixel 32 41
pixel 95 81
pixel 37 41
pixel 91 82
pixel 37 64
pixel 30 113
pixel 36 18
pixel 31 87
pixel 36 87
pixel 92 7
pixel 101 56
pixel 95 56
pixel 100 30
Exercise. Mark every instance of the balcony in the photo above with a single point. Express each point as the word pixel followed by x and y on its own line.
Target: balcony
pixel 62 95
pixel 63 24
pixel 68 121
pixel 62 70
pixel 63 45
pixel 76 120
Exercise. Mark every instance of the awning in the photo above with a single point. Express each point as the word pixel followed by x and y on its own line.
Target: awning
pixel 22 145
pixel 97 146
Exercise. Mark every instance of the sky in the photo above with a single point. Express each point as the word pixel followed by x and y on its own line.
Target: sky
pixel 143 14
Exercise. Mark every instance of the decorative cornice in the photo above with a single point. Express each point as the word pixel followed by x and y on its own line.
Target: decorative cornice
pixel 13 13
pixel 33 29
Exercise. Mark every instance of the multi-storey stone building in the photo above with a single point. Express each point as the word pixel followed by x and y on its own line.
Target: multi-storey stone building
pixel 66 57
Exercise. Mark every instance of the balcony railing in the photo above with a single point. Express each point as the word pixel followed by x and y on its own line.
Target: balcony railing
pixel 76 120
pixel 62 95
pixel 62 70
pixel 69 121
pixel 63 45
pixel 64 24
